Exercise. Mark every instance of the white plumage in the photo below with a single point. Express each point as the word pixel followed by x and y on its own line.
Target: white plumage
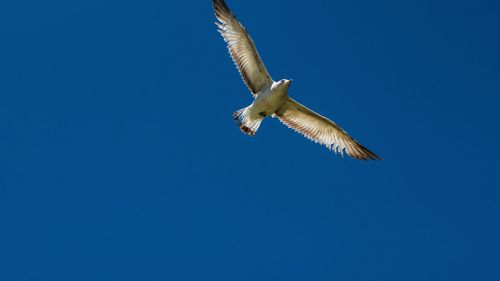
pixel 271 97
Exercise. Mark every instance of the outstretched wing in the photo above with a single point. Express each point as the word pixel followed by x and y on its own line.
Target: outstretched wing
pixel 321 130
pixel 241 48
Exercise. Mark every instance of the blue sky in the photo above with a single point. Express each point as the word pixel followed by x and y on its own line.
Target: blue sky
pixel 120 159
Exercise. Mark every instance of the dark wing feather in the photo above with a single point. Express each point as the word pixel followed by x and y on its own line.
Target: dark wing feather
pixel 241 48
pixel 321 130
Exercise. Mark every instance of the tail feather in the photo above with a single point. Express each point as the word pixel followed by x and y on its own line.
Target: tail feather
pixel 247 124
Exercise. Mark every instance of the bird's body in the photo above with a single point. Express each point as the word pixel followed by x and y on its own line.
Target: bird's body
pixel 271 97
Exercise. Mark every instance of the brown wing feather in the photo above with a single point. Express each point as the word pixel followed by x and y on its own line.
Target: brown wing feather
pixel 321 130
pixel 241 48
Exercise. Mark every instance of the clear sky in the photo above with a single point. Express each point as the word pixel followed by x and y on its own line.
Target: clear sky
pixel 119 158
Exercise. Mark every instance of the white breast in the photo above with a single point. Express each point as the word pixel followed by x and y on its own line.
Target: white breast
pixel 269 100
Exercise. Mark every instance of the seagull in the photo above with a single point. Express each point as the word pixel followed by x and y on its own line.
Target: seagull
pixel 271 97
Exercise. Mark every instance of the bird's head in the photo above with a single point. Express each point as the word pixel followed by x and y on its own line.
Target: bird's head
pixel 286 82
pixel 283 83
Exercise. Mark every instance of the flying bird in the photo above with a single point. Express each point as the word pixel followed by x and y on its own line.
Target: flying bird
pixel 271 97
